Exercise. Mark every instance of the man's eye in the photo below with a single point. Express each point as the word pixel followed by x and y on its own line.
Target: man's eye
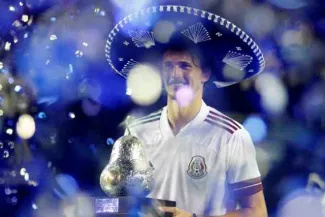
pixel 185 66
pixel 168 67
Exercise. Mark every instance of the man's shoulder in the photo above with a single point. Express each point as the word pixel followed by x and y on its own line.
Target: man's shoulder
pixel 147 120
pixel 222 122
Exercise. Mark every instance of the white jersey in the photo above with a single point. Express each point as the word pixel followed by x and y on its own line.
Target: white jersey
pixel 205 167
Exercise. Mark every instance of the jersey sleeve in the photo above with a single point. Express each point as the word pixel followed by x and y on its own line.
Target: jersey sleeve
pixel 243 175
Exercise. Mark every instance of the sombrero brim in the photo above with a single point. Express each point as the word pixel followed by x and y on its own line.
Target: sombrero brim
pixel 236 55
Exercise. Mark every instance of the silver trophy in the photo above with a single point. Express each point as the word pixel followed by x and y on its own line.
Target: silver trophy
pixel 127 179
pixel 128 172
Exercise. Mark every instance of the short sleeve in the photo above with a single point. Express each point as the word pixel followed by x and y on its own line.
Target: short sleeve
pixel 243 174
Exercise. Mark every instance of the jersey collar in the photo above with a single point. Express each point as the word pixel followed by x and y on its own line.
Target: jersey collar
pixel 199 118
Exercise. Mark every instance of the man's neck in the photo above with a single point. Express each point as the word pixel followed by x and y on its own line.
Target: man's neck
pixel 178 116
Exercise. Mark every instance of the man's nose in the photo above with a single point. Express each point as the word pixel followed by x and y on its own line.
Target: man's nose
pixel 177 72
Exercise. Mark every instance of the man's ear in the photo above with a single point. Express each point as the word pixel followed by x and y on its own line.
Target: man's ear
pixel 206 75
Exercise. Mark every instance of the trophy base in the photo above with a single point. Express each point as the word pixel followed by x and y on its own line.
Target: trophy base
pixel 122 206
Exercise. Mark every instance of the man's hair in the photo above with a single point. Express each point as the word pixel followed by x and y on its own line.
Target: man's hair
pixel 196 55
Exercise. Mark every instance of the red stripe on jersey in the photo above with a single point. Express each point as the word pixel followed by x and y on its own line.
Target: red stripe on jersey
pixel 247 187
pixel 224 117
pixel 222 121
pixel 219 125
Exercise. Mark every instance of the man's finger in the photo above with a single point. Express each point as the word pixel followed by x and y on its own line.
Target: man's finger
pixel 167 209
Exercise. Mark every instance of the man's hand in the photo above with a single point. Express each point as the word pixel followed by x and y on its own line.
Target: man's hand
pixel 177 212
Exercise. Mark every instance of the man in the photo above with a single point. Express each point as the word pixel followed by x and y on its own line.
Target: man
pixel 203 160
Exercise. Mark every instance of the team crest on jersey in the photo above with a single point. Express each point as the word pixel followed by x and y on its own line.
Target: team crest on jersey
pixel 197 168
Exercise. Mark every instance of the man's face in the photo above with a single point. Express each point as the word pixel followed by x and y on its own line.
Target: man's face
pixel 178 70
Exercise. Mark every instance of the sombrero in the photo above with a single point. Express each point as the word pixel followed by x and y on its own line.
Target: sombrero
pixel 144 34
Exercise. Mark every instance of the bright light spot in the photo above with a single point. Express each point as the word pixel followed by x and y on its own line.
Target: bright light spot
pixel 53 19
pixel 33 183
pixel 26 177
pixel 21 4
pixel 12 8
pixel 274 96
pixel 97 10
pixel 25 126
pixel 5 154
pixel 163 30
pixel 17 88
pixel 232 74
pixel 1 112
pixel 30 21
pixel 41 115
pixel 128 91
pixel 130 5
pixel 15 39
pixel 24 18
pixel 79 53
pixel 7 191
pixel 70 68
pixel 184 96
pixel 72 115
pixel 85 44
pixel 145 83
pixel 53 37
pixel 302 203
pixel 34 206
pixel 7 46
pixel 1 65
pixel 9 131
pixel 22 171
pixel 256 127
pixel 110 141
pixel 26 35
pixel 11 80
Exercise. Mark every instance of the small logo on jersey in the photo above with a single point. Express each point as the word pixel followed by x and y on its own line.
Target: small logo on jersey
pixel 197 168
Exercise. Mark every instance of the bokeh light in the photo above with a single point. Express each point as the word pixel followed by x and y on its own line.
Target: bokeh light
pixel 26 126
pixel 260 21
pixel 232 74
pixel 256 127
pixel 302 203
pixel 274 96
pixel 163 31
pixel 184 96
pixel 145 84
